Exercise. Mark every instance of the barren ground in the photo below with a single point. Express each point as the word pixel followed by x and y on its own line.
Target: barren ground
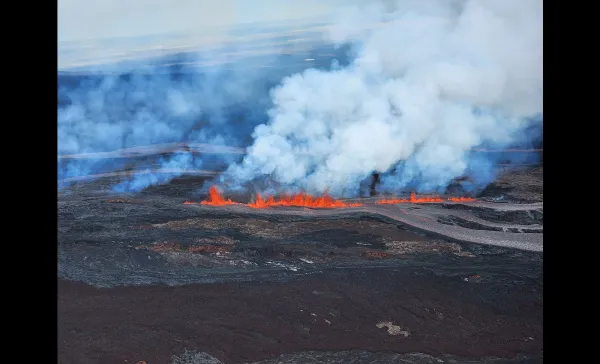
pixel 145 277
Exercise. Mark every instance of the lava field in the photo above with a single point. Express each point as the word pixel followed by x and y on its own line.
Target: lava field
pixel 147 276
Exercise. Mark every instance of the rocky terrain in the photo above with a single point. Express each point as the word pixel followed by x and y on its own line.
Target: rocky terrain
pixel 145 277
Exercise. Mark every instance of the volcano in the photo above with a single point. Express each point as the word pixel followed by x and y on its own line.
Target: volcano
pixel 160 261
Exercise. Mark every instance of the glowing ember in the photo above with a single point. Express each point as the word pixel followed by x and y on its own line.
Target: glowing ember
pixel 413 199
pixel 461 199
pixel 300 200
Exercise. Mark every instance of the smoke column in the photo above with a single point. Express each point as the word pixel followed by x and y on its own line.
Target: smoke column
pixel 429 82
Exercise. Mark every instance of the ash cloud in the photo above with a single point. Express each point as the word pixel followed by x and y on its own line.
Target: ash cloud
pixel 430 81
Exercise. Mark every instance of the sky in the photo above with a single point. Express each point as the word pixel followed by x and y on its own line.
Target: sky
pixel 80 20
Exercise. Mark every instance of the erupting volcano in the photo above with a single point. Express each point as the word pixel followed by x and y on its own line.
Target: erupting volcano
pixel 300 200
pixel 414 199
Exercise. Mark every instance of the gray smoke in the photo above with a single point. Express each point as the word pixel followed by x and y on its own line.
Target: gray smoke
pixel 430 81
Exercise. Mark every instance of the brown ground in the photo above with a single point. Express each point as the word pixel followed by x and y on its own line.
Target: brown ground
pixel 262 284
pixel 245 322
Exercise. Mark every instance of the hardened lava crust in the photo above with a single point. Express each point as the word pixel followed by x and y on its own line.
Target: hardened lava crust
pixel 146 277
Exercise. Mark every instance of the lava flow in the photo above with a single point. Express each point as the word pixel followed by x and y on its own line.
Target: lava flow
pixel 413 199
pixel 461 199
pixel 305 200
pixel 214 199
pixel 300 200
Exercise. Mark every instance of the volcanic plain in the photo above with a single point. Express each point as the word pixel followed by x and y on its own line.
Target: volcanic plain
pixel 147 277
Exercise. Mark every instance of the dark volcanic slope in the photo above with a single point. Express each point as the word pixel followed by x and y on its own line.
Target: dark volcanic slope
pixel 478 312
pixel 318 287
pixel 496 314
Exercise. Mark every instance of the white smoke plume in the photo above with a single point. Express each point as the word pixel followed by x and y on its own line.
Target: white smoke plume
pixel 430 80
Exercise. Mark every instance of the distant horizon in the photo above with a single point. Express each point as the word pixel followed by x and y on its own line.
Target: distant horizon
pixel 80 53
pixel 287 23
pixel 111 19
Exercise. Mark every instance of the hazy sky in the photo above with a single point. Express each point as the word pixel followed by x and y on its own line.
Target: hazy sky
pixel 84 20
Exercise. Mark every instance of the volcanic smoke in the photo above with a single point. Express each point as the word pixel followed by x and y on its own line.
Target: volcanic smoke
pixel 433 80
pixel 414 92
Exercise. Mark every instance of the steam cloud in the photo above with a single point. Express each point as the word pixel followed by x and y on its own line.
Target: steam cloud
pixel 423 84
pixel 197 97
pixel 430 81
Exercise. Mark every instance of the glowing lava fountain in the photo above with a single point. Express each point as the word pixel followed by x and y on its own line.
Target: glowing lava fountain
pixel 300 200
pixel 214 199
pixel 304 200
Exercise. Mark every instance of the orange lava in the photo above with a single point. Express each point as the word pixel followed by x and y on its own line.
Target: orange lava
pixel 305 200
pixel 413 199
pixel 214 199
pixel 461 199
pixel 300 200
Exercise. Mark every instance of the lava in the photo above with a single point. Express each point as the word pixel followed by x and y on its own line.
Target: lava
pixel 413 199
pixel 214 199
pixel 461 199
pixel 297 200
pixel 306 200
pixel 300 200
